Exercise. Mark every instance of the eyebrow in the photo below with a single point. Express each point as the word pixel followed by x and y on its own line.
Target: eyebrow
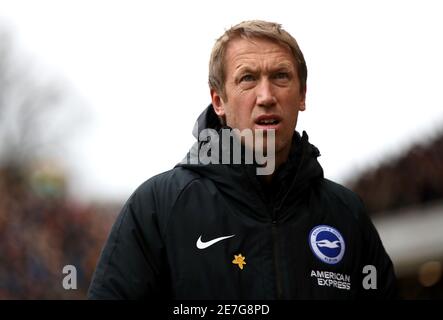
pixel 281 66
pixel 284 65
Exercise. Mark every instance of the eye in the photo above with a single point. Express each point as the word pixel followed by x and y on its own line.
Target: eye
pixel 247 78
pixel 281 75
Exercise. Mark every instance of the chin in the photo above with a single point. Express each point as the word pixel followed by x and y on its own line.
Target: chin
pixel 283 144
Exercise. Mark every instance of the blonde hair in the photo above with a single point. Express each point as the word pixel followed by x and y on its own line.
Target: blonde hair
pixel 247 30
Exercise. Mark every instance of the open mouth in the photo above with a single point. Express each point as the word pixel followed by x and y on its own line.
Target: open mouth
pixel 268 121
pixel 265 122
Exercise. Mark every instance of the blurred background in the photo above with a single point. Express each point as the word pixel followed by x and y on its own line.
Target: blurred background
pixel 98 96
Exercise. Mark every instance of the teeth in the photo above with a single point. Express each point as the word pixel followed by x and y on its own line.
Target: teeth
pixel 268 121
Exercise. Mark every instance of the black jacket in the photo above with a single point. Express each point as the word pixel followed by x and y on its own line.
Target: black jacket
pixel 302 236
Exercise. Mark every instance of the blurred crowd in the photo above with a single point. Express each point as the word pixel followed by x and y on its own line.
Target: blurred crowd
pixel 41 231
pixel 415 178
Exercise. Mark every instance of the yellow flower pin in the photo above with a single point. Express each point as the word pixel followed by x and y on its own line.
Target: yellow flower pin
pixel 239 260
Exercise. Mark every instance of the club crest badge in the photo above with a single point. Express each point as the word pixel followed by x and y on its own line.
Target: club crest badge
pixel 327 244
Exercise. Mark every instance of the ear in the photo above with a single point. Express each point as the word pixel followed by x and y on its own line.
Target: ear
pixel 302 104
pixel 218 103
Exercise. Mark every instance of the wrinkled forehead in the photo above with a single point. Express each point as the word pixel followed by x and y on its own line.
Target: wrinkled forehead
pixel 249 51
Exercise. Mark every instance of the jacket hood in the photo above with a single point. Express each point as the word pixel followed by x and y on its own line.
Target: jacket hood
pixel 240 181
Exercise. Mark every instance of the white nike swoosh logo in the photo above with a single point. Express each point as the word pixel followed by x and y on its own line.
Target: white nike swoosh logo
pixel 203 245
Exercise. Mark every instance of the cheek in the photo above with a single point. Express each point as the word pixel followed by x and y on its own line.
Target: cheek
pixel 239 118
pixel 292 109
pixel 239 111
pixel 232 115
pixel 293 122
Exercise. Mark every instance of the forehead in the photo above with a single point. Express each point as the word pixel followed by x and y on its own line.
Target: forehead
pixel 256 51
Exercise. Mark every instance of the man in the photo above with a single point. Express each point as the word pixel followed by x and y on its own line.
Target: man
pixel 219 230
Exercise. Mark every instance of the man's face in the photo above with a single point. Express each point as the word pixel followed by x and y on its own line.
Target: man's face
pixel 262 89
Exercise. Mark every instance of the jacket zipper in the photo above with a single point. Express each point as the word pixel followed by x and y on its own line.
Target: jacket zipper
pixel 278 276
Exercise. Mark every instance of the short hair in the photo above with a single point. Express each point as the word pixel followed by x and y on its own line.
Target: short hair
pixel 248 30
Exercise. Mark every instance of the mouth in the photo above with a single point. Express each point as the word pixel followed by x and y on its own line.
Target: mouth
pixel 267 122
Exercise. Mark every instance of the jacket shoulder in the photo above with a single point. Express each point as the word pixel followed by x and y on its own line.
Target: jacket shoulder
pixel 341 195
pixel 167 184
pixel 157 195
pixel 133 257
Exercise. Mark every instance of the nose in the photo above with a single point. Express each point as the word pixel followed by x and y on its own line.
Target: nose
pixel 265 95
